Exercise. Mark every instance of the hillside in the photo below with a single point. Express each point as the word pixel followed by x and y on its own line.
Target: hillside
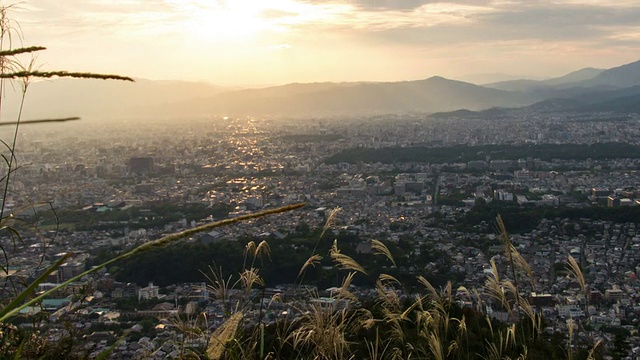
pixel 430 95
pixel 622 76
pixel 90 98
pixel 172 99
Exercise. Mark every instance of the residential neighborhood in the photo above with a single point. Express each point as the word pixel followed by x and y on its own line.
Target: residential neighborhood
pixel 229 167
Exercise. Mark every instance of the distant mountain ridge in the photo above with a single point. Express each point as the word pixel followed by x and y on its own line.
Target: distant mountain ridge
pixel 88 97
pixel 571 79
pixel 621 76
pixel 626 100
pixel 574 77
pixel 613 88
pixel 433 94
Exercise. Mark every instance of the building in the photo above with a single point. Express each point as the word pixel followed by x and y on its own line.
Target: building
pixel 627 202
pixel 614 294
pixel 67 271
pixel 613 201
pixel 600 193
pixel 548 200
pixel 149 292
pixel 544 299
pixel 503 195
pixel 196 291
pixel 570 310
pixel 522 175
pixel 121 290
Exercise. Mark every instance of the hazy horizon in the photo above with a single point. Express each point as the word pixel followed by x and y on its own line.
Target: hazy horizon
pixel 251 43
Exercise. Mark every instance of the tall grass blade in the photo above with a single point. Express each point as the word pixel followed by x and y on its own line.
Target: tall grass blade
pixel 591 355
pixel 24 50
pixel 432 291
pixel 14 306
pixel 39 121
pixel 50 74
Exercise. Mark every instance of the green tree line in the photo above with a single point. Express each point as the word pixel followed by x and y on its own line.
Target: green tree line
pixel 464 153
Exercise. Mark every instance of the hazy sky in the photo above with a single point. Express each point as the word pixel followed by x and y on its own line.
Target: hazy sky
pixel 243 42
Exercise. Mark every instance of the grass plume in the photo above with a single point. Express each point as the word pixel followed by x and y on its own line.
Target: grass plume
pixel 222 336
pixel 381 249
pixel 576 272
pixel 311 261
pixel 345 262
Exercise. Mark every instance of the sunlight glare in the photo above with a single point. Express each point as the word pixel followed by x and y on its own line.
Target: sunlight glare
pixel 226 21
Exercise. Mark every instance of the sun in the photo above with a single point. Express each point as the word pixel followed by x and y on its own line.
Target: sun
pixel 230 22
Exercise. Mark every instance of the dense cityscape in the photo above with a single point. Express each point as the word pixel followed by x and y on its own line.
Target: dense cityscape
pixel 102 197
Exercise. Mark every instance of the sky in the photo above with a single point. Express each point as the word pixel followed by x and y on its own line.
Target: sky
pixel 269 42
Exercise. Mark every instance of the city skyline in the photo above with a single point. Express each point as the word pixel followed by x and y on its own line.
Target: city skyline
pixel 256 43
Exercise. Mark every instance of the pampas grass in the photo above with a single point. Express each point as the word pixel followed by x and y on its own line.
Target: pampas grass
pixel 312 261
pixel 381 249
pixel 344 262
pixel 222 336
pixel 576 273
pixel 421 328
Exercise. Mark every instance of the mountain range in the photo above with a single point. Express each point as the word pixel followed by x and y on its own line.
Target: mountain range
pixel 589 89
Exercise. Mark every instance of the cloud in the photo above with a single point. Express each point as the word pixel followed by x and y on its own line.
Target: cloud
pixel 402 21
pixel 117 17
pixel 536 36
pixel 406 32
pixel 441 24
pixel 398 5
pixel 386 5
pixel 276 14
pixel 559 17
pixel 279 47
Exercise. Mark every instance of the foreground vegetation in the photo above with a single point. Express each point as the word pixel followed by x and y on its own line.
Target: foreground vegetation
pixel 432 324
